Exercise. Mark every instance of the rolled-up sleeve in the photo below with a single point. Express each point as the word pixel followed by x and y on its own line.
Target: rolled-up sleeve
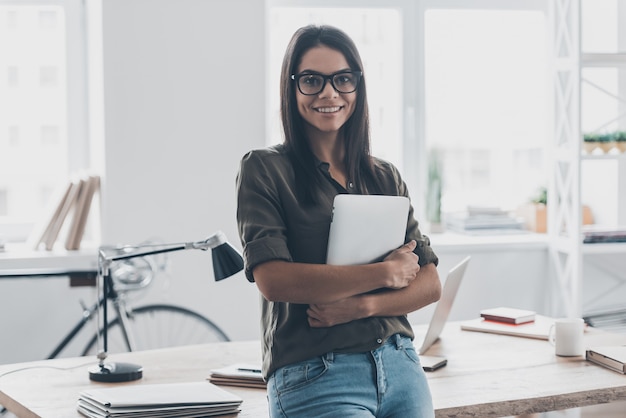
pixel 260 217
pixel 423 249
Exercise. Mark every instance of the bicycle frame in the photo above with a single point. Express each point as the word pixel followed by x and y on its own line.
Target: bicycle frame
pixel 87 314
pixel 120 309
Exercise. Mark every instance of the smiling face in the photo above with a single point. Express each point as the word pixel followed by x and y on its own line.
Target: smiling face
pixel 328 111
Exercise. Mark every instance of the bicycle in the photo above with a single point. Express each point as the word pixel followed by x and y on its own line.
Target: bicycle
pixel 144 327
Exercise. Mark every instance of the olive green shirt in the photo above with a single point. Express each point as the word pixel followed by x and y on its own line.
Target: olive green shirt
pixel 274 226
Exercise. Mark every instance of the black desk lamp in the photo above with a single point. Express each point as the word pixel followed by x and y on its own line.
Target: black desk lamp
pixel 226 262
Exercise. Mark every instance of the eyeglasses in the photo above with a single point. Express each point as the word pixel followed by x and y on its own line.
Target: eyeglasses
pixel 311 84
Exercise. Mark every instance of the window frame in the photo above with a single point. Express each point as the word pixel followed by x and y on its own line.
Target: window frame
pixel 77 123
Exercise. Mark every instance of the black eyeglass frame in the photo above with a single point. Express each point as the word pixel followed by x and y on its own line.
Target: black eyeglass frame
pixel 330 77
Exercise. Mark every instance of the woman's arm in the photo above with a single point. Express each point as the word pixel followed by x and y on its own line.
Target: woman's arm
pixel 422 291
pixel 282 281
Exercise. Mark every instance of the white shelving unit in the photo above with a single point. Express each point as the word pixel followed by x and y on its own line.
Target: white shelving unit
pixel 564 210
pixel 567 251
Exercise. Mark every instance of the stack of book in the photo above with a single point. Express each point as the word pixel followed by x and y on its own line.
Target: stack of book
pixel 68 217
pixel 610 318
pixel 242 375
pixel 184 400
pixel 483 219
pixel 593 234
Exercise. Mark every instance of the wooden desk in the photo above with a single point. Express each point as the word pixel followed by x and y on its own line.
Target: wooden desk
pixel 487 375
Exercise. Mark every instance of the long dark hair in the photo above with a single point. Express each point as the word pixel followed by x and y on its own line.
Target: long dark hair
pixel 356 130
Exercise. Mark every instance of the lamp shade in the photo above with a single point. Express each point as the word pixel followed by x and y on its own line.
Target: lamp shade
pixel 226 261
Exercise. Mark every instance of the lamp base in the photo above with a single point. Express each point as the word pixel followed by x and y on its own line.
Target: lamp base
pixel 116 372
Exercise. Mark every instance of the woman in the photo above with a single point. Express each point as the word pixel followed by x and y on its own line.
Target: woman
pixel 336 339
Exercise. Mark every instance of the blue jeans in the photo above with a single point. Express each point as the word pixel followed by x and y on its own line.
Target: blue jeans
pixel 388 382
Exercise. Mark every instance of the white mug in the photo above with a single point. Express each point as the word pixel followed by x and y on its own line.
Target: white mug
pixel 566 335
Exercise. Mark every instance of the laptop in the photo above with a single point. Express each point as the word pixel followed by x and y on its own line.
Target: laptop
pixel 366 228
pixel 440 316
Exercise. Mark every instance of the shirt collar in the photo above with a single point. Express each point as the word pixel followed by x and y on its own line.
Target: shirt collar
pixel 324 167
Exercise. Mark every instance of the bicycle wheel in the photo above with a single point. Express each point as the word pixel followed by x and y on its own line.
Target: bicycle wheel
pixel 159 326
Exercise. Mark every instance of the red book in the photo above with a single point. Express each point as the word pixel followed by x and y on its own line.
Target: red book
pixel 508 315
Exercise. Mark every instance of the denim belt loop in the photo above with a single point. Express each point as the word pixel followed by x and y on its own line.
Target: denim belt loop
pixel 398 341
pixel 329 357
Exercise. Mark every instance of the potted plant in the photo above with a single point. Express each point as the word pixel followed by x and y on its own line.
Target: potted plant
pixel 435 185
pixel 590 142
pixel 620 141
pixel 606 142
pixel 534 212
pixel 541 212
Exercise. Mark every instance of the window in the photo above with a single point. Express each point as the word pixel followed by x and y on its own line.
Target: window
pixel 486 104
pixel 42 108
pixel 472 88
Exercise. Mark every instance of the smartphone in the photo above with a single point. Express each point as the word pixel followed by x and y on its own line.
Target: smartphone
pixel 432 363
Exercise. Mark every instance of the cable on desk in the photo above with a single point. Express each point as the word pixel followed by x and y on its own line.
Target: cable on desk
pixel 3 410
pixel 45 367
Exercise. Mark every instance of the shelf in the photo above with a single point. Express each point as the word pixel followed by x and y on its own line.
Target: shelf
pixel 603 59
pixel 521 241
pixel 603 249
pixel 604 156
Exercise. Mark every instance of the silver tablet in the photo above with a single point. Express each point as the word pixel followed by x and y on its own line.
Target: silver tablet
pixel 365 228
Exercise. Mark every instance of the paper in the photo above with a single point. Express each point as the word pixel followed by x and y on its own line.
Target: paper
pixel 193 399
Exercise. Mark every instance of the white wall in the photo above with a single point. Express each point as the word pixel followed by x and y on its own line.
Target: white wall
pixel 184 100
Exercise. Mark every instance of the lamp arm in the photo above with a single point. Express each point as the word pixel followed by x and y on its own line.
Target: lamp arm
pixel 118 257
pixel 213 241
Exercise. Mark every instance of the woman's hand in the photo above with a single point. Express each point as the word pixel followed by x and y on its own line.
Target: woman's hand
pixel 422 291
pixel 403 266
pixel 335 313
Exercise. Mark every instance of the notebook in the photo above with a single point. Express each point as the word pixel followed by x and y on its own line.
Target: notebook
pixel 444 305
pixel 539 328
pixel 611 357
pixel 365 228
